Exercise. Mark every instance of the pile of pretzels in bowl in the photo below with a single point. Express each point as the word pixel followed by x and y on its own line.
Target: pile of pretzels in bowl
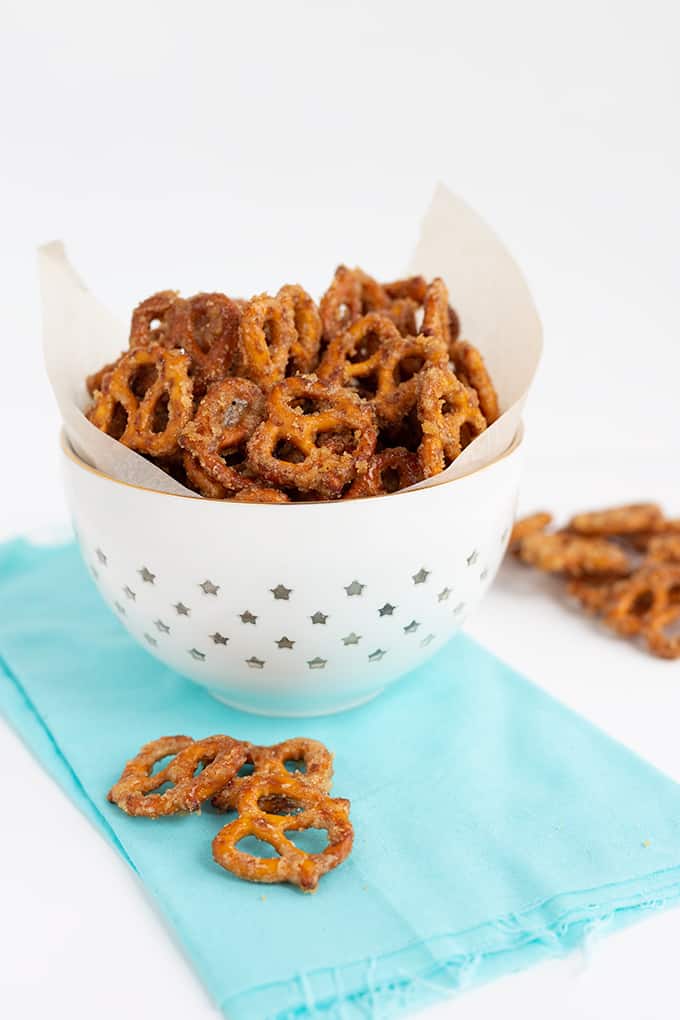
pixel 276 399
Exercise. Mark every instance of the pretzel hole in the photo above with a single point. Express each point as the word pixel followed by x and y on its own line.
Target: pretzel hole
pixel 367 386
pixel 407 368
pixel 163 788
pixel 288 451
pixel 295 765
pixel 305 405
pixel 255 847
pixel 642 603
pixel 155 323
pixel 161 414
pixel 143 377
pixel 338 441
pixel 233 457
pixel 246 769
pixel 118 421
pixel 160 764
pixel 674 593
pixel 279 804
pixel 366 348
pixel 310 841
pixel 204 329
pixel 390 479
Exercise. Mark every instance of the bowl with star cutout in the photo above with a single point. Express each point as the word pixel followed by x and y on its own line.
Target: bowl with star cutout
pixel 294 609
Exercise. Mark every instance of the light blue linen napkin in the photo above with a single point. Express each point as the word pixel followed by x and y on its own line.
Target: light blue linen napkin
pixel 493 825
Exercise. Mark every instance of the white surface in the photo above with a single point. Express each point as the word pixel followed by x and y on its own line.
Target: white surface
pixel 241 147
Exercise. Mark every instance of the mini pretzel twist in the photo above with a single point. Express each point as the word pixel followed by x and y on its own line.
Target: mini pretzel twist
pixel 634 602
pixel 206 326
pixel 574 555
pixel 221 755
pixel 304 348
pixel 267 336
pixel 449 417
pixel 659 642
pixel 316 811
pixel 301 412
pixel 388 471
pixel 153 319
pixel 530 525
pixel 317 759
pixel 146 400
pixel 352 294
pixel 620 520
pixel 470 368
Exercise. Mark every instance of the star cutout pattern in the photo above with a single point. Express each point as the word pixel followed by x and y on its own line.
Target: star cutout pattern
pixel 248 617
pixel 411 627
pixel 152 640
pixel 352 639
pixel 505 536
pixel 472 558
pixel 377 655
pixel 102 557
pixel 443 595
pixel 195 654
pixel 459 608
pixel 285 642
pixel 355 588
pixel 281 592
pixel 95 573
pixel 387 609
pixel 427 641
pixel 209 588
pixel 146 575
pixel 254 663
pixel 484 574
pixel 121 609
pixel 182 610
pixel 162 627
pixel 218 639
pixel 319 617
pixel 129 593
pixel 317 663
pixel 422 576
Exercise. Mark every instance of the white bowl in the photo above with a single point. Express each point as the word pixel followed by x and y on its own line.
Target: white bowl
pixel 300 609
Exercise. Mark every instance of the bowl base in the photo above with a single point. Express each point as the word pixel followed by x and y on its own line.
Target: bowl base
pixel 300 714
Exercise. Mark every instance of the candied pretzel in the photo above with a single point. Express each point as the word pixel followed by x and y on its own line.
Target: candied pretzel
pixel 206 326
pixel 153 319
pixel 221 755
pixel 388 471
pixel 225 420
pixel 666 646
pixel 528 526
pixel 575 555
pixel 352 294
pixel 471 370
pixel 316 811
pixel 449 417
pixel 592 592
pixel 267 337
pixel 664 548
pixel 317 759
pixel 636 600
pixel 301 411
pixel 146 400
pixel 622 520
pixel 304 347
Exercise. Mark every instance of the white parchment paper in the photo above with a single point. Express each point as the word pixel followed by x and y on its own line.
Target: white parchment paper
pixel 487 290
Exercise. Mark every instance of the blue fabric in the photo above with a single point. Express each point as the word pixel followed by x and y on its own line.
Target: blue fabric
pixel 493 826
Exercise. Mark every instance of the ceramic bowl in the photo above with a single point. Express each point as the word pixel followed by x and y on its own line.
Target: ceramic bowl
pixel 300 609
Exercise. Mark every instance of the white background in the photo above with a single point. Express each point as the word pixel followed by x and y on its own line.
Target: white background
pixel 239 146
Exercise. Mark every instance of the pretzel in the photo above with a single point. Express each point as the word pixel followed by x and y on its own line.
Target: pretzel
pixel 200 480
pixel 449 418
pixel 225 420
pixel 221 756
pixel 267 336
pixel 471 370
pixel 316 811
pixel 666 646
pixel 622 520
pixel 664 548
pixel 574 555
pixel 436 312
pixel 392 469
pixel 633 602
pixel 153 319
pixel 592 592
pixel 528 526
pixel 146 400
pixel 301 411
pixel 304 348
pixel 352 294
pixel 207 328
pixel 413 288
pixel 316 757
